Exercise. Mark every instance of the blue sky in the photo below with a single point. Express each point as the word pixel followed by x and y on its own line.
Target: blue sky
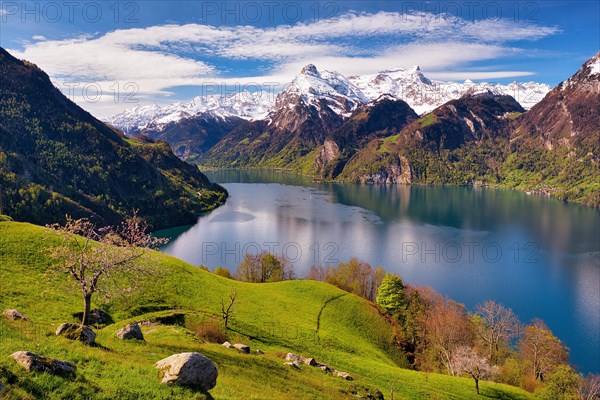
pixel 107 55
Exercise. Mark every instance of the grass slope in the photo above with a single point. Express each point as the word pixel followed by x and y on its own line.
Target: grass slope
pixel 305 317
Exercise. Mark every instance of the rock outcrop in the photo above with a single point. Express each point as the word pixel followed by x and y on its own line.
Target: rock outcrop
pixel 35 363
pixel 294 360
pixel 188 369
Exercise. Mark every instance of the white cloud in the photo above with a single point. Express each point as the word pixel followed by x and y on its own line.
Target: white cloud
pixel 39 37
pixel 477 75
pixel 157 58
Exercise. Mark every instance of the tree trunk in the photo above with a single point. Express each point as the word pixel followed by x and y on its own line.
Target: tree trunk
pixel 477 385
pixel 87 302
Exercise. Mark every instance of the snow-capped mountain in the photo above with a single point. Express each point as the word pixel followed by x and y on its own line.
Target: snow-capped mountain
pixel 153 117
pixel 424 94
pixel 568 115
pixel 322 90
pixel 314 88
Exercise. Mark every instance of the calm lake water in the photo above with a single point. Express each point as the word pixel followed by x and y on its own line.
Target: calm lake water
pixel 536 255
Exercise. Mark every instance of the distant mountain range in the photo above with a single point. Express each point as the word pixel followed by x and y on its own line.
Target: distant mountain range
pixel 398 127
pixel 342 93
pixel 57 159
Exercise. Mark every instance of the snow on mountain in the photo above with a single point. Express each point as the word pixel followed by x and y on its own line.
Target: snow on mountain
pixel 314 88
pixel 341 94
pixel 424 94
pixel 244 105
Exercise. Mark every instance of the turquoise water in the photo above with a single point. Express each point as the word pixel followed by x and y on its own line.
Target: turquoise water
pixel 539 256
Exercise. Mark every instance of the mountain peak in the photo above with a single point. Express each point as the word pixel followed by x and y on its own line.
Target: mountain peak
pixel 594 64
pixel 310 69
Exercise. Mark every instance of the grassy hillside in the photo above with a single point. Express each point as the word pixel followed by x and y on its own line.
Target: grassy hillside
pixel 305 317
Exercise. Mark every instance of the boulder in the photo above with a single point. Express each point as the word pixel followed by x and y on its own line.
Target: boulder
pixel 14 315
pixel 131 331
pixel 309 361
pixel 96 317
pixel 77 332
pixel 292 357
pixel 36 363
pixel 260 352
pixel 325 367
pixel 242 348
pixel 343 375
pixel 227 344
pixel 188 369
pixel 293 364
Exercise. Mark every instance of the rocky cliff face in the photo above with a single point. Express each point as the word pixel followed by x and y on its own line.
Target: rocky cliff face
pixel 569 114
pixel 384 117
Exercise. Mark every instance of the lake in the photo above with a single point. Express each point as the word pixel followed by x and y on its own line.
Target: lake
pixel 536 255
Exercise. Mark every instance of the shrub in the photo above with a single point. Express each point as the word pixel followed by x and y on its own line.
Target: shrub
pixel 210 331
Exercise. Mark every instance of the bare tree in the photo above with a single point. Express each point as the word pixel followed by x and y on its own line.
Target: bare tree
pixel 227 310
pixel 466 360
pixel 446 328
pixel 103 259
pixel 590 388
pixel 542 349
pixel 494 324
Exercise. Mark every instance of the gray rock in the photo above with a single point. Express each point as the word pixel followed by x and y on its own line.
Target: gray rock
pixel 77 332
pixel 131 331
pixel 36 363
pixel 188 369
pixel 343 375
pixel 293 364
pixel 292 357
pixel 305 360
pixel 242 348
pixel 96 317
pixel 309 361
pixel 325 367
pixel 260 352
pixel 227 344
pixel 14 315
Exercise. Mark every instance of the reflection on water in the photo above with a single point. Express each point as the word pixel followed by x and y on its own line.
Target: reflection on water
pixel 536 255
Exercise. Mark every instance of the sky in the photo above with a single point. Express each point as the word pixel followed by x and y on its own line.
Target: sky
pixel 109 56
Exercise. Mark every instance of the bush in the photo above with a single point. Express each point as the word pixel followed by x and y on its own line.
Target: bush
pixel 224 272
pixel 210 331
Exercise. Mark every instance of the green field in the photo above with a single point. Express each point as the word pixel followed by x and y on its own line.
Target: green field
pixel 305 317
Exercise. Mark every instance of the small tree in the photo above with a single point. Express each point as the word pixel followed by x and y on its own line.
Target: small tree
pixel 466 360
pixel 390 295
pixel 446 329
pixel 542 349
pixel 103 259
pixel 227 310
pixel 562 384
pixel 264 267
pixel 222 271
pixel 495 324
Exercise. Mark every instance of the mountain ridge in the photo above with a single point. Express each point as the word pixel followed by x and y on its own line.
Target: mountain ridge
pixel 57 159
pixel 410 85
